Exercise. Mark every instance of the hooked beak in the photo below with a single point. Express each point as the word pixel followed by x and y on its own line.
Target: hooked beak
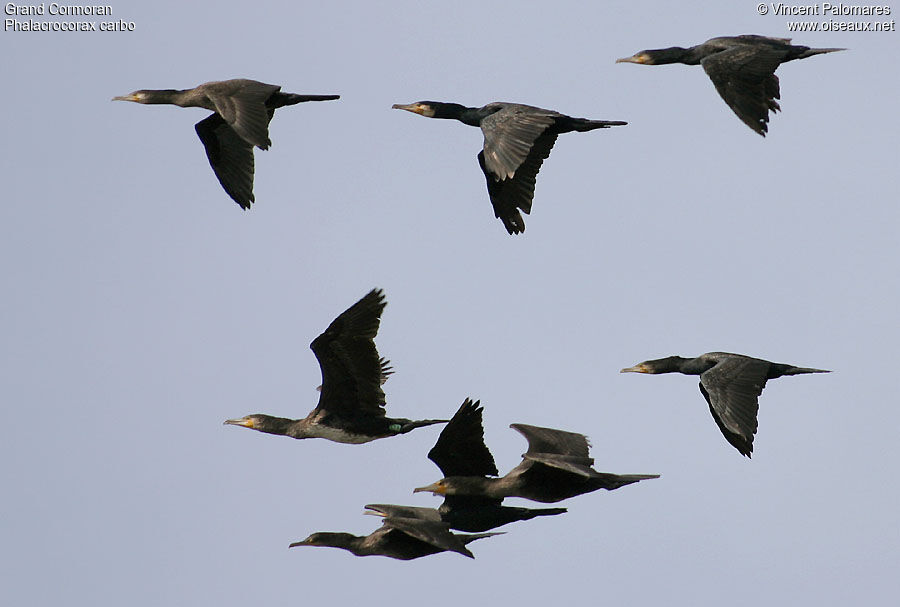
pixel 244 421
pixel 415 108
pixel 639 58
pixel 435 488
pixel 641 368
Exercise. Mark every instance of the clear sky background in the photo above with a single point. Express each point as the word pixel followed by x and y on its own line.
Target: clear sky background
pixel 142 307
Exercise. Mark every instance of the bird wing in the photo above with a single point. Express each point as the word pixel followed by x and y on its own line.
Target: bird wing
pixel 510 195
pixel 397 511
pixel 352 371
pixel 243 106
pixel 517 140
pixel 576 465
pixel 509 135
pixel 745 78
pixel 549 441
pixel 230 157
pixel 469 502
pixel 732 388
pixel 553 478
pixel 434 533
pixel 460 448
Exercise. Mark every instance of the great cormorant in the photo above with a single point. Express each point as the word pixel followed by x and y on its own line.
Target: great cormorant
pixel 741 67
pixel 241 110
pixel 398 538
pixel 460 451
pixel 351 401
pixel 555 467
pixel 731 384
pixel 517 140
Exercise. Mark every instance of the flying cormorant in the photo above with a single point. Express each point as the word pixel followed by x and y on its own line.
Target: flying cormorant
pixel 555 467
pixel 351 401
pixel 398 538
pixel 741 67
pixel 517 140
pixel 241 110
pixel 460 451
pixel 731 384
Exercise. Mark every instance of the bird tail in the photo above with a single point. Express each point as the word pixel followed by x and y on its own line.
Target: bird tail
pixel 282 99
pixel 408 425
pixel 533 512
pixel 293 98
pixel 614 481
pixel 801 370
pixel 818 51
pixel 466 538
pixel 582 124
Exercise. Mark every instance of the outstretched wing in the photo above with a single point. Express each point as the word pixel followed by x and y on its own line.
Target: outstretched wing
pixel 434 533
pixel 352 371
pixel 509 135
pixel 580 466
pixel 398 511
pixel 230 157
pixel 517 140
pixel 550 441
pixel 732 388
pixel 460 448
pixel 745 78
pixel 242 104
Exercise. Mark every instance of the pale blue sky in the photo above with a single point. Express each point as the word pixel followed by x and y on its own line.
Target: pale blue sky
pixel 143 307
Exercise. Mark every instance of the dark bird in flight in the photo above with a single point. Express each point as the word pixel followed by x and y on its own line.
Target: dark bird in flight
pixel 741 67
pixel 351 401
pixel 517 140
pixel 731 385
pixel 460 451
pixel 398 538
pixel 555 467
pixel 241 110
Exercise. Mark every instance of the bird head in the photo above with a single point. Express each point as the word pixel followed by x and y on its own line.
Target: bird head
pixel 439 488
pixel 262 423
pixel 148 96
pixel 423 108
pixel 324 538
pixel 643 58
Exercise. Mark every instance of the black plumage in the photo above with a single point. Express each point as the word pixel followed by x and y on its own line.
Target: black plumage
pixel 731 385
pixel 460 451
pixel 242 110
pixel 398 538
pixel 517 140
pixel 742 68
pixel 555 467
pixel 351 400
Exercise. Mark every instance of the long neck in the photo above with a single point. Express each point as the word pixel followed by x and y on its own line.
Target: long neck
pixel 171 96
pixel 346 541
pixel 455 111
pixel 475 485
pixel 277 425
pixel 688 366
pixel 675 54
pixel 676 364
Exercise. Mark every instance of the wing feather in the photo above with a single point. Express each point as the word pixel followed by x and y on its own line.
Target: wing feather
pixel 230 157
pixel 732 388
pixel 550 441
pixel 460 448
pixel 242 104
pixel 352 370
pixel 744 77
